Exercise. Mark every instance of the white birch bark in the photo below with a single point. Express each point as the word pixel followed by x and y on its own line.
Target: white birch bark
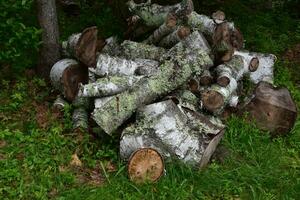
pixel 173 74
pixel 57 71
pixel 116 66
pixel 108 86
pixel 166 128
pixel 134 50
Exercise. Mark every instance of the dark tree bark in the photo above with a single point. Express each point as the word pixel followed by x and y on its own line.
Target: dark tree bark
pixel 50 50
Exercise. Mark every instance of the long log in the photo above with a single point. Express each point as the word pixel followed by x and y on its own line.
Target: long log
pixel 108 86
pixel 66 75
pixel 164 29
pixel 173 74
pixel 169 130
pixel 135 50
pixel 115 66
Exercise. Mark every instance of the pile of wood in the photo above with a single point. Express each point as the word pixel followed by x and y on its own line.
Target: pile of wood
pixel 167 92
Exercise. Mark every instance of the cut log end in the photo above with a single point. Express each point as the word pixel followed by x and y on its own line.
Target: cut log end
pixel 71 78
pixel 254 64
pixel 206 80
pixel 183 32
pixel 86 46
pixel 193 85
pixel 223 81
pixel 212 100
pixel 218 17
pixel 145 165
pixel 171 21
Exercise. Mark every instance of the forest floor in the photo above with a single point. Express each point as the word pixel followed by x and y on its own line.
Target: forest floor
pixel 41 158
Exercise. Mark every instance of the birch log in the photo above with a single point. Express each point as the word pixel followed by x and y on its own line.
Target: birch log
pixel 266 65
pixel 216 97
pixel 155 15
pixel 165 29
pixel 166 128
pixel 112 46
pixel 80 119
pixel 257 65
pixel 108 86
pixel 173 74
pixel 66 75
pixel 134 50
pixel 83 46
pixel 115 66
pixel 175 37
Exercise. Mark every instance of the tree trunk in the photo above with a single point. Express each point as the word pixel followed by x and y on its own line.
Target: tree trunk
pixel 50 51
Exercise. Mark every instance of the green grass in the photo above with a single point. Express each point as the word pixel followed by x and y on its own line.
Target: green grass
pixel 35 159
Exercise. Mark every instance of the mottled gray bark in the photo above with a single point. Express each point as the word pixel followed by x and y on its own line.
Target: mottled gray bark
pixel 173 74
pixel 173 132
pixel 164 29
pixel 108 86
pixel 134 50
pixel 50 50
pixel 175 37
pixel 155 15
pixel 116 66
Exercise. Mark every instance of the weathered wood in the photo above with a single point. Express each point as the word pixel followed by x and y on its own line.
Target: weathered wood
pixel 83 46
pixel 173 132
pixel 66 75
pixel 116 66
pixel 145 165
pixel 134 50
pixel 175 37
pixel 108 86
pixel 272 109
pixel 173 73
pixel 164 29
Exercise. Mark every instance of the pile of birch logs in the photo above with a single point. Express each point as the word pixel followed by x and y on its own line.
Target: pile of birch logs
pixel 168 91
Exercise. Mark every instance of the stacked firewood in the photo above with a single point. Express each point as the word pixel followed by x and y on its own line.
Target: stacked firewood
pixel 167 92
